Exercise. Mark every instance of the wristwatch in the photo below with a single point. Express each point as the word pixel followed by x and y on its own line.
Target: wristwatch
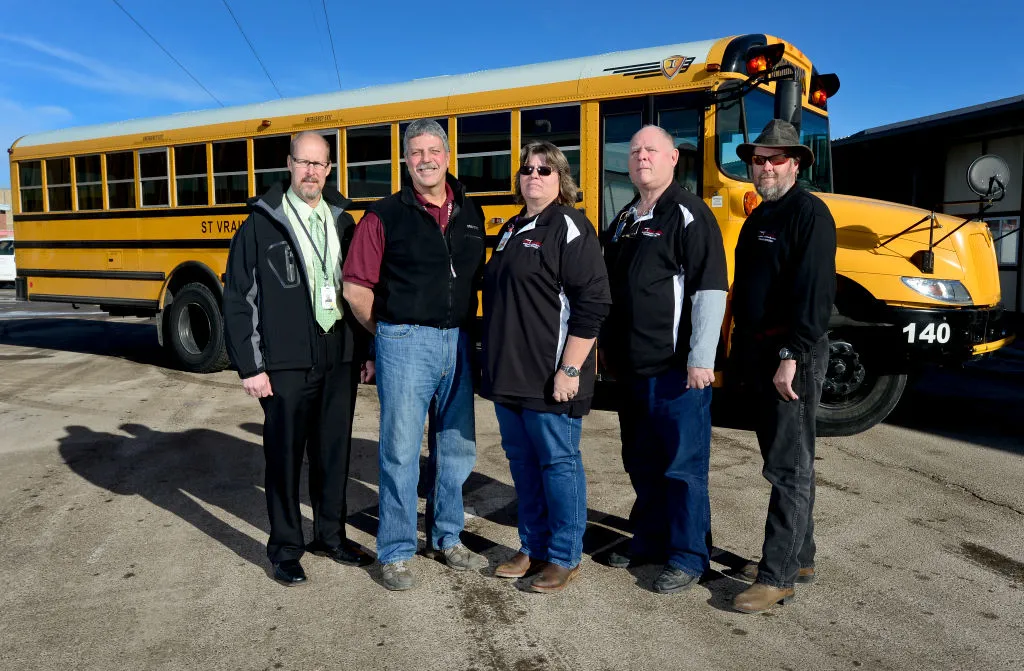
pixel 786 353
pixel 570 371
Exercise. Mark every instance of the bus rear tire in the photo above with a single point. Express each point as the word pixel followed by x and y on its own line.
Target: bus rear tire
pixel 194 330
pixel 854 397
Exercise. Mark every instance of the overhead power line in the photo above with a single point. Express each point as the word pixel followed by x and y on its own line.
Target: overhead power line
pixel 335 53
pixel 258 59
pixel 169 55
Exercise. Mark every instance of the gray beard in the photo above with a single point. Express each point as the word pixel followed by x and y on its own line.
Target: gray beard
pixel 773 193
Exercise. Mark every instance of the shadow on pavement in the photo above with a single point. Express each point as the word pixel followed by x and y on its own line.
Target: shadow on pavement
pixel 134 341
pixel 978 404
pixel 188 474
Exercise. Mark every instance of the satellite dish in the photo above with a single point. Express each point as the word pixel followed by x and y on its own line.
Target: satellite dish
pixel 988 176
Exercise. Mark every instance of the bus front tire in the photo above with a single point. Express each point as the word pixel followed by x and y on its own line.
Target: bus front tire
pixel 194 330
pixel 854 397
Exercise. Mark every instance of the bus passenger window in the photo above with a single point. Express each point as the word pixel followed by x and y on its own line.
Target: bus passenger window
pixel 618 189
pixel 230 172
pixel 684 127
pixel 368 161
pixel 558 125
pixel 58 183
pixel 154 175
pixel 89 182
pixel 30 185
pixel 403 174
pixel 190 175
pixel 485 152
pixel 270 161
pixel 333 178
pixel 121 180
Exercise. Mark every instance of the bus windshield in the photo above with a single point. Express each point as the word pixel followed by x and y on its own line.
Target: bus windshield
pixel 741 121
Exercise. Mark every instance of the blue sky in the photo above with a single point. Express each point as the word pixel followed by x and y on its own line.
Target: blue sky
pixel 71 62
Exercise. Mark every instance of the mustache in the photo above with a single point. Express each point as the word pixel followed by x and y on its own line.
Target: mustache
pixel 427 166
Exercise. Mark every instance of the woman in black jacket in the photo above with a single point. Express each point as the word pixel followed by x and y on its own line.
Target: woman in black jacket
pixel 545 296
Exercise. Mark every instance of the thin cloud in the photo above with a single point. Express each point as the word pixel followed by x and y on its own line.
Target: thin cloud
pixel 17 119
pixel 85 72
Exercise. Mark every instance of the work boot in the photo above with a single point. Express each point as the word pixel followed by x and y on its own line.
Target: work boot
pixel 673 580
pixel 749 573
pixel 461 558
pixel 553 578
pixel 397 577
pixel 760 597
pixel 518 566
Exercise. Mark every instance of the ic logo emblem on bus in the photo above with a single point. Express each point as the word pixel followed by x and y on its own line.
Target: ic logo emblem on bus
pixel 673 65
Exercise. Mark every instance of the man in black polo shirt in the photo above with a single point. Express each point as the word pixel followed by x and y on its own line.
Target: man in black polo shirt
pixel 666 267
pixel 782 298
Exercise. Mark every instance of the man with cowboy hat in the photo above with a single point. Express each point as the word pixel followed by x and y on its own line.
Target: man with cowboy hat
pixel 782 298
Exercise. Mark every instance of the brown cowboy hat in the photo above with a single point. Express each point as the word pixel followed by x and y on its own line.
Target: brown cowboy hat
pixel 781 134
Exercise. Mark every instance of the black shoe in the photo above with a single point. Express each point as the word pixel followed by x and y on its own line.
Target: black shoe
pixel 290 573
pixel 623 558
pixel 673 580
pixel 348 553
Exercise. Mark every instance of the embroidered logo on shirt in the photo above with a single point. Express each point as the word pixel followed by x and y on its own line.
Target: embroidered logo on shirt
pixel 532 244
pixel 472 227
pixel 766 236
pixel 651 232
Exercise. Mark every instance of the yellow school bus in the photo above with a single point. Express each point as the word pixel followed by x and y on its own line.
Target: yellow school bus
pixel 136 217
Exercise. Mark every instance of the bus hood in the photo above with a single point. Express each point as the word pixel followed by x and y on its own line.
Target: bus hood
pixel 865 224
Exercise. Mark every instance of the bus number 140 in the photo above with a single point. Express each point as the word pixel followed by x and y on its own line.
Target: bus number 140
pixel 929 334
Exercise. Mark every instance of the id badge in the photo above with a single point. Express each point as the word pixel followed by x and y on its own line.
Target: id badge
pixel 327 297
pixel 503 241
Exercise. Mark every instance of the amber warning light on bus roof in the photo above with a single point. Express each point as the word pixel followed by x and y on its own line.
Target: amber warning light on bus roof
pixel 762 59
pixel 823 87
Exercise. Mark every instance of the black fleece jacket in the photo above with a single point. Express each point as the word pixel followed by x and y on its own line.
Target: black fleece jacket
pixel 269 321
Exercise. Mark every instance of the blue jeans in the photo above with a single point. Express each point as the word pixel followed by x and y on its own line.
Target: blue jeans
pixel 666 450
pixel 543 452
pixel 423 372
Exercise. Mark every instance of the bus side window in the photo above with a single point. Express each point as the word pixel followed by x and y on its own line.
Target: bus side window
pixel 154 173
pixel 190 175
pixel 368 161
pixel 58 183
pixel 121 180
pixel 485 152
pixel 230 172
pixel 558 125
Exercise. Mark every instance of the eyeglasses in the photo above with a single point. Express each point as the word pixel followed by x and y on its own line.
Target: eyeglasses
pixel 542 170
pixel 774 159
pixel 303 163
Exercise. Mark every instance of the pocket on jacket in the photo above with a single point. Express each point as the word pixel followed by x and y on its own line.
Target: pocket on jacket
pixel 282 262
pixel 388 330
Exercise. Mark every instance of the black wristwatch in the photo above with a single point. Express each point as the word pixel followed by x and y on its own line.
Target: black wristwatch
pixel 570 371
pixel 787 354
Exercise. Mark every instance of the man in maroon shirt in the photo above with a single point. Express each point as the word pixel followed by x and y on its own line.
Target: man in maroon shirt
pixel 411 277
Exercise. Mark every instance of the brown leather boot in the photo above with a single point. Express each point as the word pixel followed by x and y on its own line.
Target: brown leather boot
pixel 553 578
pixel 749 573
pixel 520 565
pixel 760 597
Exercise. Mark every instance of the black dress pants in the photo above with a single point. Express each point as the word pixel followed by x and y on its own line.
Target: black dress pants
pixel 785 433
pixel 310 412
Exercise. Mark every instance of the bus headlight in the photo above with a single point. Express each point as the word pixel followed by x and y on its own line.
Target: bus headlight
pixel 949 291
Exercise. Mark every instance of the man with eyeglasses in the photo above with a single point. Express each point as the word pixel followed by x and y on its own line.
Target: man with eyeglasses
pixel 296 348
pixel 412 279
pixel 782 298
pixel 666 267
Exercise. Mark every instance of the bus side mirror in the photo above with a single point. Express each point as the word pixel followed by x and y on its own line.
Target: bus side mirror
pixel 788 94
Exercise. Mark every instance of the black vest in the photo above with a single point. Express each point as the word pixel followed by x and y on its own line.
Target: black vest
pixel 426 277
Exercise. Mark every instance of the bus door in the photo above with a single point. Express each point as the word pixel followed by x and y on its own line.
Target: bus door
pixel 681 114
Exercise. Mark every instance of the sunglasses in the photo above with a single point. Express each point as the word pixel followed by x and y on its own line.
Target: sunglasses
pixel 542 170
pixel 774 159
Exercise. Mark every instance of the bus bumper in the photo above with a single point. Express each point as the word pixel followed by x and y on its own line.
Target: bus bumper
pixel 947 336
